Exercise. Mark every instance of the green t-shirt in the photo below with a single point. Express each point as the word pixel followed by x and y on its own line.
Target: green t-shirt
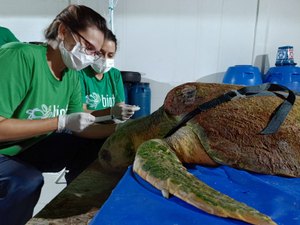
pixel 6 36
pixel 30 91
pixel 104 93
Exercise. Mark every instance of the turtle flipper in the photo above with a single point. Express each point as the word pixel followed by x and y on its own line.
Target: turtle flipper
pixel 156 162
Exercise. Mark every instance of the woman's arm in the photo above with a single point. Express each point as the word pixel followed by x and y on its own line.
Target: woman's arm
pixel 102 112
pixel 96 131
pixel 17 129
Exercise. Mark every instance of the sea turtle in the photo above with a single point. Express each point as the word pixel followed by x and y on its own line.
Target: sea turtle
pixel 227 134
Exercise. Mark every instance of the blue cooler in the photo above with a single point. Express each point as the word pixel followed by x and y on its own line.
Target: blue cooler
pixel 243 75
pixel 288 76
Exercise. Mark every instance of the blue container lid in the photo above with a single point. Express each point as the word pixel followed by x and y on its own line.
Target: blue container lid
pixel 243 75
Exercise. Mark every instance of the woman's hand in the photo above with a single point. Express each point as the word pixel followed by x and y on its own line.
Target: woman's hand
pixel 122 111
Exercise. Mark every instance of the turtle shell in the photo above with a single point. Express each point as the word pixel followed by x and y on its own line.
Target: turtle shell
pixel 230 132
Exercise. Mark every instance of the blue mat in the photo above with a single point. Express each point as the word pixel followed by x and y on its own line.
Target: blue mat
pixel 135 202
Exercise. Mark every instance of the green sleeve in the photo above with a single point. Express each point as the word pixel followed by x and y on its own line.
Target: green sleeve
pixel 15 76
pixel 7 36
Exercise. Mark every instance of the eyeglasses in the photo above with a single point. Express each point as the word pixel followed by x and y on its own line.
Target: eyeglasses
pixel 89 49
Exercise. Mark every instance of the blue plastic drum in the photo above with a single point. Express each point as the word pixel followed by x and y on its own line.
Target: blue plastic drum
pixel 243 75
pixel 127 87
pixel 288 76
pixel 140 95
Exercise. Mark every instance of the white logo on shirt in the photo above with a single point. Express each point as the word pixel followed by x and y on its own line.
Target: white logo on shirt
pixel 45 112
pixel 94 99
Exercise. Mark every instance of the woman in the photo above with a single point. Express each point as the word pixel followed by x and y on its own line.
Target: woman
pixel 102 85
pixel 41 94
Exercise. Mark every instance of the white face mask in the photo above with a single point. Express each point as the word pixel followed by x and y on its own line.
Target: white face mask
pixel 109 64
pixel 75 59
pixel 103 65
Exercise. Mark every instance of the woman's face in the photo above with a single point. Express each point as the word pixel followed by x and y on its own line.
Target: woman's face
pixel 108 49
pixel 90 39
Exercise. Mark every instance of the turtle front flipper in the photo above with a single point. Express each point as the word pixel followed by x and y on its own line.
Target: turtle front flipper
pixel 157 163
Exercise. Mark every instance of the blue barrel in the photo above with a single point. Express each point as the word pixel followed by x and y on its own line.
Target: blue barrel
pixel 127 87
pixel 140 95
pixel 288 76
pixel 243 75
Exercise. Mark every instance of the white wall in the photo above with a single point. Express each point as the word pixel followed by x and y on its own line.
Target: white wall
pixel 278 25
pixel 176 41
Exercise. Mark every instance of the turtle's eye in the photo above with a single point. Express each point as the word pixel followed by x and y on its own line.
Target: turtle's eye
pixel 105 155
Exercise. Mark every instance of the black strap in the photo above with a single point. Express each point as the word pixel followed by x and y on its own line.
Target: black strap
pixel 266 89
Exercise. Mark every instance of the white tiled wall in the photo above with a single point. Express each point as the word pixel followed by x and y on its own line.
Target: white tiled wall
pixel 54 183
